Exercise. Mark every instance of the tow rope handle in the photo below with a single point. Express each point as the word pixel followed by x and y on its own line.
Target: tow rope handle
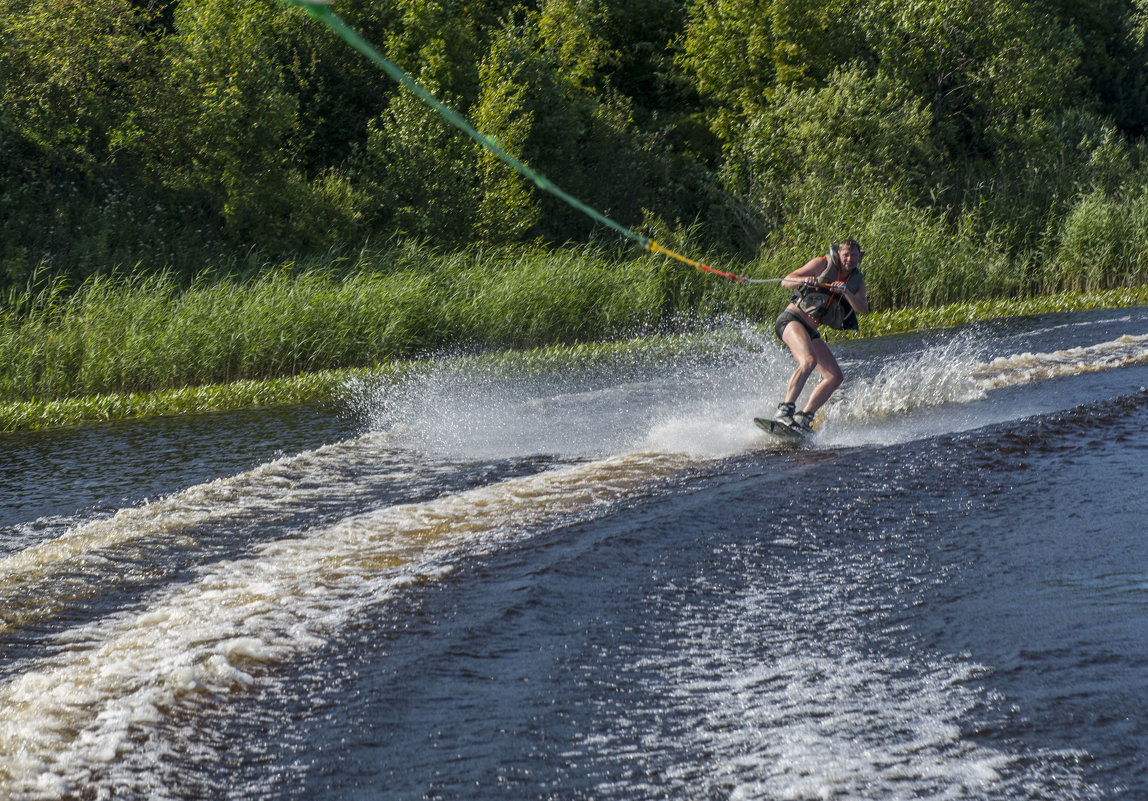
pixel 654 247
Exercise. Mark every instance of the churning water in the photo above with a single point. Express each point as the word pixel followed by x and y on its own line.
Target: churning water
pixel 600 583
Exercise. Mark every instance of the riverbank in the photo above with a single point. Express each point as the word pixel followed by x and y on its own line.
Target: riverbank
pixel 330 385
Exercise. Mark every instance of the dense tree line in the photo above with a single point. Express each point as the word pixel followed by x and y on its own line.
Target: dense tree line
pixel 202 133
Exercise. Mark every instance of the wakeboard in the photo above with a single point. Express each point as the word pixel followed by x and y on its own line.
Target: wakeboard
pixel 779 430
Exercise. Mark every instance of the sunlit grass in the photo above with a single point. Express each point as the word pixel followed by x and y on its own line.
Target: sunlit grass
pixel 306 388
pixel 147 333
pixel 119 348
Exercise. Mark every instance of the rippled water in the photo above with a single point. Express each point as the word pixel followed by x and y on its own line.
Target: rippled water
pixel 598 584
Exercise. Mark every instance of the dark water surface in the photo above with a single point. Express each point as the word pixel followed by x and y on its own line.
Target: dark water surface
pixel 603 584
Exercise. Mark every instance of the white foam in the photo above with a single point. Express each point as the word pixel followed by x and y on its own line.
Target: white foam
pixel 68 715
pixel 935 377
pixel 695 401
pixel 845 715
pixel 703 404
pixel 930 392
pixel 270 490
pixel 1024 368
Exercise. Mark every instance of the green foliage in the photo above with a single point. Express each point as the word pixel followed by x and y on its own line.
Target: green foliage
pixel 1102 244
pixel 441 42
pixel 231 115
pixel 1114 57
pixel 856 133
pixel 1070 153
pixel 507 210
pixel 733 85
pixel 141 333
pixel 75 71
pixel 421 173
pixel 977 64
pixel 582 125
pixel 977 147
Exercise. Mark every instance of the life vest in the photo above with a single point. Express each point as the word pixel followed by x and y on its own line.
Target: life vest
pixel 824 306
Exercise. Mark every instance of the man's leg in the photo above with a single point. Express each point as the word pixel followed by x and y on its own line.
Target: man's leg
pixel 831 375
pixel 801 346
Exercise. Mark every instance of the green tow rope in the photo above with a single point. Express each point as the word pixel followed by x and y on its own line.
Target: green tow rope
pixel 319 10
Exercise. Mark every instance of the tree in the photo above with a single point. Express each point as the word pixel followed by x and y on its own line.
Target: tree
pixel 229 116
pixel 983 66
pixel 508 208
pixel 1114 56
pixel 420 173
pixel 729 52
pixel 740 52
pixel 442 41
pixel 856 132
pixel 74 72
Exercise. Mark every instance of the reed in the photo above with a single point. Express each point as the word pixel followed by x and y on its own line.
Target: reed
pixel 331 385
pixel 141 333
pixel 141 344
pixel 1103 243
pixel 915 257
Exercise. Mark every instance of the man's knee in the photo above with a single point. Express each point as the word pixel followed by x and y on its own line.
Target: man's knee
pixel 833 378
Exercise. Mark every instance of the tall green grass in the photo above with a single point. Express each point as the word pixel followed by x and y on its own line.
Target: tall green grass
pixel 914 257
pixel 922 258
pixel 1103 244
pixel 138 343
pixel 141 333
pixel 330 385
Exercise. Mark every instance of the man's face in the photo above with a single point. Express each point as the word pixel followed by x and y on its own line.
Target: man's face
pixel 850 258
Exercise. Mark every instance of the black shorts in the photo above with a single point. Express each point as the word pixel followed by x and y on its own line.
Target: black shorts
pixel 787 317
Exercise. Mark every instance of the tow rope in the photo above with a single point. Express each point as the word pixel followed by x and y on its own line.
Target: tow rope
pixel 318 9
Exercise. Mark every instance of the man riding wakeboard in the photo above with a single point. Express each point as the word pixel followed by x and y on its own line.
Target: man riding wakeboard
pixel 829 290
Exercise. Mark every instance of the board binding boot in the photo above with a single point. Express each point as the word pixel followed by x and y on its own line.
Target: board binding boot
pixel 784 426
pixel 785 414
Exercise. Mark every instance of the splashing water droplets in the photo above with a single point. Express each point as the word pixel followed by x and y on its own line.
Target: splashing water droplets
pixel 933 377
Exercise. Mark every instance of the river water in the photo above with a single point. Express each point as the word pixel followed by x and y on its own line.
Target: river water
pixel 600 582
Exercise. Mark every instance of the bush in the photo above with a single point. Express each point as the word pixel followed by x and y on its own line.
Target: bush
pixel 849 137
pixel 1102 244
